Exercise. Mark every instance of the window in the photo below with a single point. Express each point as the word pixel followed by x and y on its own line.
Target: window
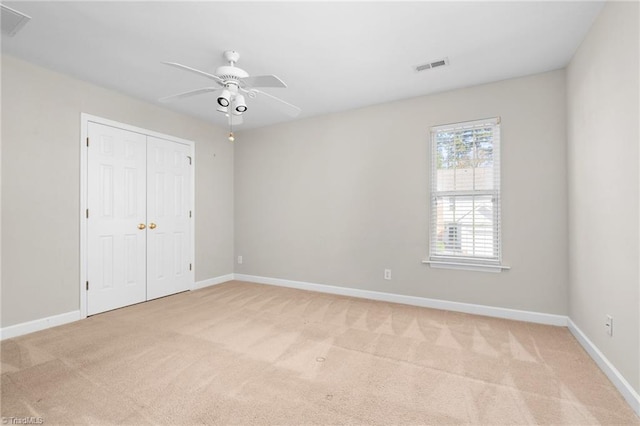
pixel 465 195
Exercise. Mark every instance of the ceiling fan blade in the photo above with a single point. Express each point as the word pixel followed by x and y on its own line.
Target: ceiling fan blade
pixel 189 94
pixel 193 70
pixel 289 109
pixel 262 81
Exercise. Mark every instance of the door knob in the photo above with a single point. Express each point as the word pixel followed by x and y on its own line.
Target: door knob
pixel 152 225
pixel 141 226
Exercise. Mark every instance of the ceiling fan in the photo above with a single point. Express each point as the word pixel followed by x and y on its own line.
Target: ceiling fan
pixel 233 83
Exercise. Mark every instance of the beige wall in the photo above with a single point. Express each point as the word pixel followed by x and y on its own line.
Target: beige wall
pixel 41 185
pixel 337 199
pixel 603 139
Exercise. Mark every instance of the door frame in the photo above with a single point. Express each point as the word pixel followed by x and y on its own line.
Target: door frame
pixel 85 119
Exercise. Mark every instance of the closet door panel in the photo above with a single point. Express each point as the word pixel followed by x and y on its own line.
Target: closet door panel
pixel 169 238
pixel 116 234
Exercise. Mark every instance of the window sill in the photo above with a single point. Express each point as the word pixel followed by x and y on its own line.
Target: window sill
pixel 443 264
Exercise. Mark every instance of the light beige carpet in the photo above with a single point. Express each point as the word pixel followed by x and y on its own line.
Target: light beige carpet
pixel 241 353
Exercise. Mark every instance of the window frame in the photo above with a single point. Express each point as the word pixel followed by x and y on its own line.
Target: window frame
pixel 449 261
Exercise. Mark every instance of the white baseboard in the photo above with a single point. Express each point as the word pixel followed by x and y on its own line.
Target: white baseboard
pixel 627 391
pixel 37 325
pixel 491 311
pixel 213 281
pixel 629 394
pixel 55 320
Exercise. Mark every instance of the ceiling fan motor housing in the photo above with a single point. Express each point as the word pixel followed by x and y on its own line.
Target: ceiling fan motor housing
pixel 227 72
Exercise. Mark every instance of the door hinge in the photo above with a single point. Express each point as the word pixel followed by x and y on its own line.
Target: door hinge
pixel 190 266
pixel 189 213
pixel 87 285
pixel 87 141
pixel 87 213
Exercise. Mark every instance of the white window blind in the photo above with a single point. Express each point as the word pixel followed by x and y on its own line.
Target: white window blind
pixel 465 193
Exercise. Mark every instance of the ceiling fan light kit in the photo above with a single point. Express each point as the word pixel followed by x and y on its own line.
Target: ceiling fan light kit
pixel 233 82
pixel 224 99
pixel 240 105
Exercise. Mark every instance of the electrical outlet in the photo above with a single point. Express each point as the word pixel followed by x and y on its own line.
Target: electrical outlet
pixel 387 274
pixel 239 260
pixel 609 325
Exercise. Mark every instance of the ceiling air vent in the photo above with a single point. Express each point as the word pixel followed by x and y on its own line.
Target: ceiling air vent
pixel 12 20
pixel 431 65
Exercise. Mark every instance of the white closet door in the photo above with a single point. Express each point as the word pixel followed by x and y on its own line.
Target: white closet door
pixel 168 201
pixel 116 202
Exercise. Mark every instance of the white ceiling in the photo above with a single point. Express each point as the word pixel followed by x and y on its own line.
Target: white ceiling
pixel 334 56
